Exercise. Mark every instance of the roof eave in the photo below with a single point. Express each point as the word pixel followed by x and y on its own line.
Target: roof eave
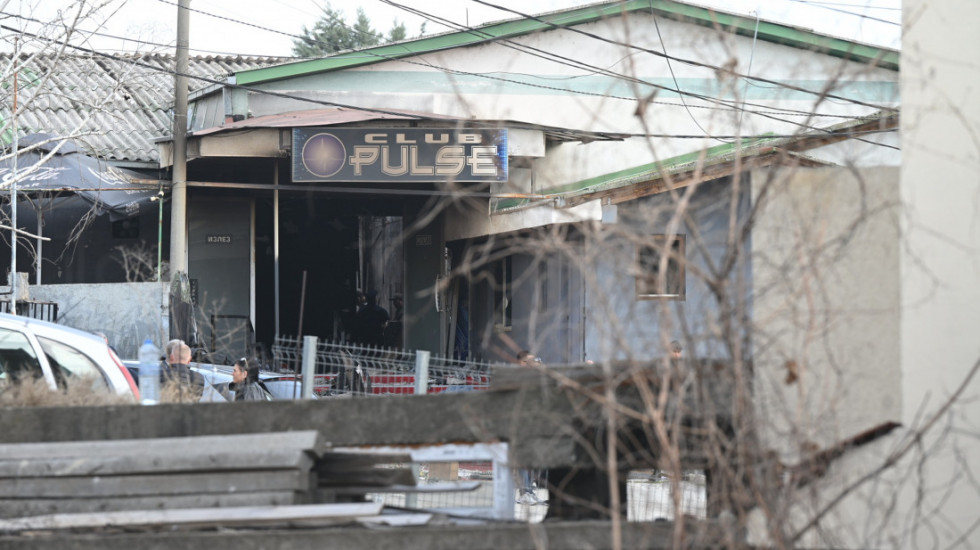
pixel 704 165
pixel 765 30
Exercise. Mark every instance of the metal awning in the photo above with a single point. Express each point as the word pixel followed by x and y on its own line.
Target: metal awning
pixel 49 165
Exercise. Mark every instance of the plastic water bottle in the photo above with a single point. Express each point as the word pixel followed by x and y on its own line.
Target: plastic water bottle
pixel 149 356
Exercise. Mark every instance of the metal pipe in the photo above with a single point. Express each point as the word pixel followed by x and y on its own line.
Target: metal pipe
pixel 40 250
pixel 13 195
pixel 275 239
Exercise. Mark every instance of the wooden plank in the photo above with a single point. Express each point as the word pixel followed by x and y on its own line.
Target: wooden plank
pixel 250 516
pixel 253 459
pixel 185 483
pixel 171 446
pixel 43 506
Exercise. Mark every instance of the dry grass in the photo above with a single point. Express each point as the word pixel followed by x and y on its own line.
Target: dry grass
pixel 34 392
pixel 175 392
pixel 81 392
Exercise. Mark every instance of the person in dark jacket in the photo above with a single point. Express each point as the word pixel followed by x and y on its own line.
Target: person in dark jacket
pixel 245 382
pixel 177 372
pixel 370 322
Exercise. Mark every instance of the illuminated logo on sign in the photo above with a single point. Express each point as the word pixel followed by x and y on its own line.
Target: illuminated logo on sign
pixel 324 155
pixel 409 154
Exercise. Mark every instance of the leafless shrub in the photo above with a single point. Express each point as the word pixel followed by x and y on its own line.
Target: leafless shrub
pixel 78 392
pixel 139 262
pixel 176 392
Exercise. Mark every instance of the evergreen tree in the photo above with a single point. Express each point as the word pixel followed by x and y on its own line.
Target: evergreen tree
pixel 331 34
pixel 397 32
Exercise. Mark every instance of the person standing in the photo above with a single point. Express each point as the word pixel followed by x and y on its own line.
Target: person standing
pixel 246 384
pixel 370 321
pixel 178 374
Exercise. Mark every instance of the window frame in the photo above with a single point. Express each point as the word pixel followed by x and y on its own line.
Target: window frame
pixel 648 255
pixel 503 294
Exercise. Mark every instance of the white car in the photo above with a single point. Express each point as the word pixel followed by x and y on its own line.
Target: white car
pixel 279 386
pixel 30 347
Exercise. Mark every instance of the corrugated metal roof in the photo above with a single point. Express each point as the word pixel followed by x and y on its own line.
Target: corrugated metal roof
pixel 120 103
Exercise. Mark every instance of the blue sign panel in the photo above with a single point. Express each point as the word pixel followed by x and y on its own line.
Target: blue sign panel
pixel 399 155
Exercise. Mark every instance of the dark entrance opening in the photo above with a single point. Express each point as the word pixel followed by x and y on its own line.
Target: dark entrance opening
pixel 319 233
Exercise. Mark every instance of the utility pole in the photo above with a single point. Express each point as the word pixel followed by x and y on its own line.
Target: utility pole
pixel 13 192
pixel 178 197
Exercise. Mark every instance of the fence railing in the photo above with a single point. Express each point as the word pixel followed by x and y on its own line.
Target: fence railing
pixel 45 311
pixel 344 368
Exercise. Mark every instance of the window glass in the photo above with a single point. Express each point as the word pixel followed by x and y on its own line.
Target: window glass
pixel 17 358
pixel 650 282
pixel 67 363
pixel 502 294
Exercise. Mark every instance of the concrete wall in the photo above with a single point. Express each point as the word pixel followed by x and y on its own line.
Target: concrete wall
pixel 127 313
pixel 826 332
pixel 621 325
pixel 907 346
pixel 574 287
pixel 940 266
pixel 826 298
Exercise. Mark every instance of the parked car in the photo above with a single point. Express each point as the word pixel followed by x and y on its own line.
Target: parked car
pixel 59 354
pixel 278 385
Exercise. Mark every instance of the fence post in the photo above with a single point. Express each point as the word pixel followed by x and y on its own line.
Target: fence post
pixel 421 388
pixel 421 372
pixel 309 366
pixel 503 482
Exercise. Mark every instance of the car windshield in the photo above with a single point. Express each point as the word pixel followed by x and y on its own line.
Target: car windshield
pixel 68 363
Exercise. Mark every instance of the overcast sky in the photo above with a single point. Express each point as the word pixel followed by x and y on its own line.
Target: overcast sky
pixel 267 27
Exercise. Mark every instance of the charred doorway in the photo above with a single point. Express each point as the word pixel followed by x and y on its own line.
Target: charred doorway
pixel 327 252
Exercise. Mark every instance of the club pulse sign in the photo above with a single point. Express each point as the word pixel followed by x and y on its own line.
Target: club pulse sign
pixel 403 154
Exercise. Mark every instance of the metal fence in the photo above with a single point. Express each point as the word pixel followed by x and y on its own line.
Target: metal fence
pixel 45 311
pixel 450 479
pixel 343 368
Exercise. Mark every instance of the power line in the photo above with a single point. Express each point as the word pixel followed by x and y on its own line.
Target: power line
pixel 137 40
pixel 691 62
pixel 331 103
pixel 852 5
pixel 676 85
pixel 731 106
pixel 527 49
pixel 826 6
pixel 726 105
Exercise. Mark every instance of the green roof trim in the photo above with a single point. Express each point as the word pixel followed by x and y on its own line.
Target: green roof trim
pixel 645 172
pixel 772 32
pixel 718 154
